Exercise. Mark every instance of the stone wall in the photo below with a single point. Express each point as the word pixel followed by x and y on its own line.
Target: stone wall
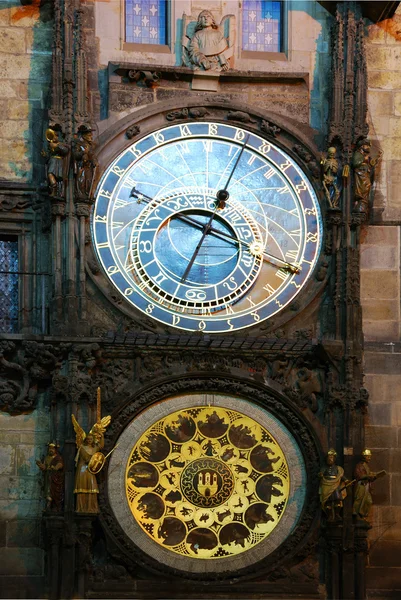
pixel 25 59
pixel 383 436
pixel 23 439
pixel 380 290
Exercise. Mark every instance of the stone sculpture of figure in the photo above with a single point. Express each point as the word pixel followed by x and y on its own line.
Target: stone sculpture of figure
pixel 53 470
pixel 363 487
pixel 85 162
pixel 208 45
pixel 332 487
pixel 364 165
pixel 330 168
pixel 56 162
pixel 86 488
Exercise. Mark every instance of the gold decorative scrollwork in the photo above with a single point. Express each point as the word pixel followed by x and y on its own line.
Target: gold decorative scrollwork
pixel 207 482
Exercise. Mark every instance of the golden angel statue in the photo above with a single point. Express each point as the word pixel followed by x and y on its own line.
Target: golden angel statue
pixel 89 461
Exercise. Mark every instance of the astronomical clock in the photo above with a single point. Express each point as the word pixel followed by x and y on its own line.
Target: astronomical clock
pixel 207 228
pixel 197 250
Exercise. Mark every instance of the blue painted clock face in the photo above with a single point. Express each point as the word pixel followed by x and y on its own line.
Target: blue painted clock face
pixel 190 258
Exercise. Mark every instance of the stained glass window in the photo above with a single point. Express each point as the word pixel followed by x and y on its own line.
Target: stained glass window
pixel 146 21
pixel 8 284
pixel 261 26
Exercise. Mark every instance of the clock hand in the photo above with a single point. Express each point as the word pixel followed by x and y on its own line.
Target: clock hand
pixel 222 195
pixel 265 255
pixel 206 229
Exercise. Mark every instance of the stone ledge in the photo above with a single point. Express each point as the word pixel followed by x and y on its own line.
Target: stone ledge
pixel 186 74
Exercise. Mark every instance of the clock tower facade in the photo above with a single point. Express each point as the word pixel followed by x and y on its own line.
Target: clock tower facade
pixel 203 199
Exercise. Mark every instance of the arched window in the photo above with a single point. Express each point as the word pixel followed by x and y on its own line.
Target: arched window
pixel 146 22
pixel 262 26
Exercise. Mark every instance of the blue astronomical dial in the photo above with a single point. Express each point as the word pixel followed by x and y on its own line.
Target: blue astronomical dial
pixel 206 227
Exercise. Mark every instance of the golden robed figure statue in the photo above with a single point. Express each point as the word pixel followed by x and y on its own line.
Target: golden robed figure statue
pixel 89 461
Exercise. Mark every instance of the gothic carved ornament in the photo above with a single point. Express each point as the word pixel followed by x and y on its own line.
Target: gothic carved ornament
pixel 29 367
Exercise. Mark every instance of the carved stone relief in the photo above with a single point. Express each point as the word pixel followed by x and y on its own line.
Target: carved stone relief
pixel 205 47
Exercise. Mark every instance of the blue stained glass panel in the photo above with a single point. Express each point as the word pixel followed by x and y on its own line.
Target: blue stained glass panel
pixel 8 284
pixel 146 21
pixel 261 26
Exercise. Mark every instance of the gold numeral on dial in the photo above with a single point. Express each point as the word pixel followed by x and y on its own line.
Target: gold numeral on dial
pixel 282 274
pixel 185 130
pixel 239 135
pixel 269 289
pixel 137 153
pixel 291 254
pixel 269 174
pixel 112 270
pixel 264 148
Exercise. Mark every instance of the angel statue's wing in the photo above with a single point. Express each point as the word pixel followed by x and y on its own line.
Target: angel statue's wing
pixel 227 27
pixel 101 427
pixel 80 434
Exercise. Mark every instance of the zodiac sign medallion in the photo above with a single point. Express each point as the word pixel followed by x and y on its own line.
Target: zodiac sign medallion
pixel 207 482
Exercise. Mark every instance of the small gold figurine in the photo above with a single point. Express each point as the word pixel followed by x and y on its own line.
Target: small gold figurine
pixel 363 487
pixel 56 163
pixel 89 461
pixel 52 467
pixel 332 488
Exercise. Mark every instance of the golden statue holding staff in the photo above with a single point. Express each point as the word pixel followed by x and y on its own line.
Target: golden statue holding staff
pixel 332 488
pixel 89 461
pixel 364 478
